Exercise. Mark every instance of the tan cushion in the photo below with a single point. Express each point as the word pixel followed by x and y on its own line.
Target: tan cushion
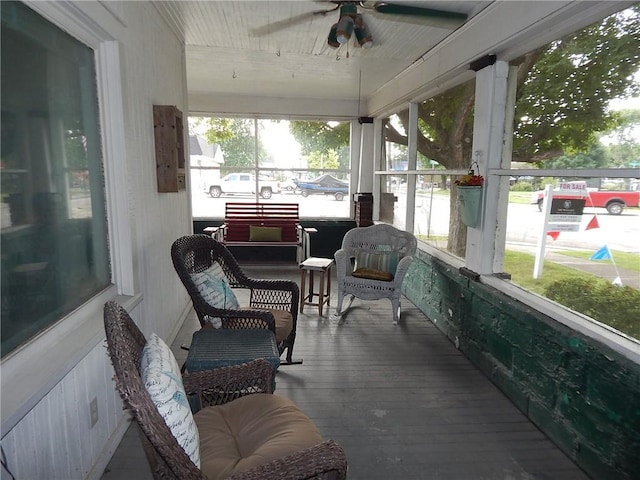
pixel 284 322
pixel 251 431
pixel 372 274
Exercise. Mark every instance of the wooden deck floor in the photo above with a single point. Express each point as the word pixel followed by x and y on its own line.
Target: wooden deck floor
pixel 401 400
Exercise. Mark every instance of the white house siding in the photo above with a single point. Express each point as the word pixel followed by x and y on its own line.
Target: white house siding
pixel 54 440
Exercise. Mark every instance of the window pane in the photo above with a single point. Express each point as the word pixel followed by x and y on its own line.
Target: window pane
pixel 580 251
pixel 54 241
pixel 432 210
pixel 295 162
pixel 444 140
pixel 574 114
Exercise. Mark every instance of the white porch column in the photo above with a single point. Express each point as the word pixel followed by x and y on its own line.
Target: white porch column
pixel 366 156
pixel 412 165
pixel 378 163
pixel 355 153
pixel 488 136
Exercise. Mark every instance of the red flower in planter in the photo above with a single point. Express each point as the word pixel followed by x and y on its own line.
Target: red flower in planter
pixel 470 180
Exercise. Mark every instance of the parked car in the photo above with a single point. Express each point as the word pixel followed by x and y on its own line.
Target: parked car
pixel 242 183
pixel 614 201
pixel 324 184
pixel 289 185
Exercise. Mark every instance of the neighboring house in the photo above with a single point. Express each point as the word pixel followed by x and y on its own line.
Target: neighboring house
pixel 205 160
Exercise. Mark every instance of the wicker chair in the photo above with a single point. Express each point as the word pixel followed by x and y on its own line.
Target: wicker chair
pixel 375 240
pixel 213 388
pixel 197 253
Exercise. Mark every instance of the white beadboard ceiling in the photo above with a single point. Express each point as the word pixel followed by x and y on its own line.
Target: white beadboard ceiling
pixel 239 61
pixel 225 56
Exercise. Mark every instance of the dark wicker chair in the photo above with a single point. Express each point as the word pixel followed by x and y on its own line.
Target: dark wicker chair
pixel 166 457
pixel 197 253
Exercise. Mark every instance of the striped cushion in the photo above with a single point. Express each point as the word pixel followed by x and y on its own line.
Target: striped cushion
pixel 382 261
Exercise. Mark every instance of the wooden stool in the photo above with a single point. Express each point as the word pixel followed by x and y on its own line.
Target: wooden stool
pixel 311 265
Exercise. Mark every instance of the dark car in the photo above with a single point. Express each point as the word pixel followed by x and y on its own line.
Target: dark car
pixel 324 184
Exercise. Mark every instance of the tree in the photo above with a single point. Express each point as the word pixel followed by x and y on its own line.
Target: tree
pixel 236 139
pixel 320 137
pixel 563 92
pixel 595 157
pixel 323 160
pixel 623 148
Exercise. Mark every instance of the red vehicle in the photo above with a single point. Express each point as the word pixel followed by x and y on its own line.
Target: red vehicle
pixel 614 201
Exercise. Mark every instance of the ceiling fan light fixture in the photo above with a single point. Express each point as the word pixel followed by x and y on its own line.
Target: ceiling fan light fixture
pixel 332 39
pixel 365 40
pixel 344 29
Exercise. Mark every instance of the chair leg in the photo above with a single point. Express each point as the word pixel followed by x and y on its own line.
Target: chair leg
pixel 289 356
pixel 395 307
pixel 339 310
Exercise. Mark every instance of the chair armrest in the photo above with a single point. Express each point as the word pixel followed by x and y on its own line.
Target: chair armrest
pixel 222 385
pixel 343 262
pixel 326 457
pixel 238 318
pixel 275 294
pixel 221 233
pixel 212 231
pixel 403 267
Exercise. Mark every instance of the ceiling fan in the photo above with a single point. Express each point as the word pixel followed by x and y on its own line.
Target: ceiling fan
pixel 350 20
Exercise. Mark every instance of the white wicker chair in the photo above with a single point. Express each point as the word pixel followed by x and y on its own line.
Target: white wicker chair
pixel 376 239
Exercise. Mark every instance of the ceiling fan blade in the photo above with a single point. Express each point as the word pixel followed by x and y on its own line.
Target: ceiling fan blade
pixel 287 22
pixel 426 16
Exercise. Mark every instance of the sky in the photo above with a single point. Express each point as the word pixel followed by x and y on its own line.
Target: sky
pixel 277 140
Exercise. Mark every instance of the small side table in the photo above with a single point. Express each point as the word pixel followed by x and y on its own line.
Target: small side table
pixel 310 266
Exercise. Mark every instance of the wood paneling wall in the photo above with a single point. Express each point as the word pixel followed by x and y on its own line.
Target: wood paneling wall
pixel 55 440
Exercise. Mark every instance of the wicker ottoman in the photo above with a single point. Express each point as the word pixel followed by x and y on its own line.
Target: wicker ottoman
pixel 215 348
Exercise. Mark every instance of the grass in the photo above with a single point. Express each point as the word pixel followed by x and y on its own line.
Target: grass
pixel 625 260
pixel 520 266
pixel 520 197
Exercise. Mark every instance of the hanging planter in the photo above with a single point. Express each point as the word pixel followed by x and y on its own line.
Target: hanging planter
pixel 469 193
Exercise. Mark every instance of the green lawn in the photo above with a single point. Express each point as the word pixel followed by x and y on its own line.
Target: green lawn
pixel 520 266
pixel 520 197
pixel 626 260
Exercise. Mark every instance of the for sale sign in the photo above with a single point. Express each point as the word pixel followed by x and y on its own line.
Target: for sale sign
pixel 575 189
pixel 566 213
pixel 563 208
pixel 569 207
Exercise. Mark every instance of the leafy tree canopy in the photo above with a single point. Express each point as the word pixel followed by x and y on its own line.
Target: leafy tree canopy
pixel 323 160
pixel 594 158
pixel 563 93
pixel 236 139
pixel 320 136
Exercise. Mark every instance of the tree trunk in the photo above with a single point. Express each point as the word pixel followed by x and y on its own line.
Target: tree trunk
pixel 457 239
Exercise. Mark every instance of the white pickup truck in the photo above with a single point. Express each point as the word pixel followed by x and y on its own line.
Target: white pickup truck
pixel 242 184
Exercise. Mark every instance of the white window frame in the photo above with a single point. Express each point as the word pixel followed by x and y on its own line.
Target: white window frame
pixel 486 244
pixel 33 369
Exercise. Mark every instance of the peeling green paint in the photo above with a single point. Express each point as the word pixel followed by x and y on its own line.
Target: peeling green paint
pixel 582 394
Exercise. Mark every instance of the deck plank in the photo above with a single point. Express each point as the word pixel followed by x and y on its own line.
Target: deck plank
pixel 402 400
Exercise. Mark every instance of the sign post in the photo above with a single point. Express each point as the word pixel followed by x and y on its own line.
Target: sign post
pixel 562 210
